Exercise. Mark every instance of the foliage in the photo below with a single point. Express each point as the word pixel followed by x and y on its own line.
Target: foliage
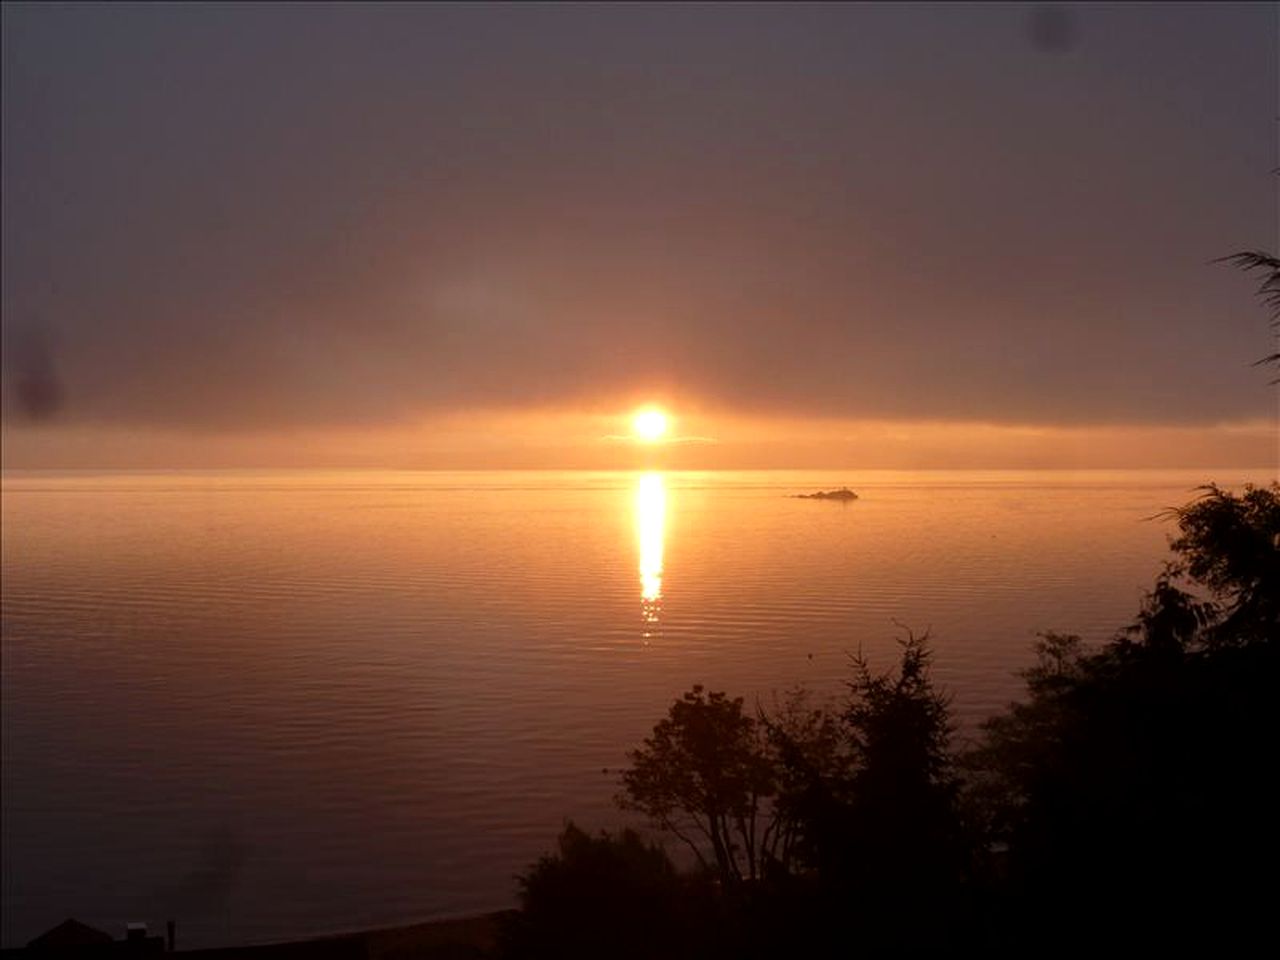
pixel 899 726
pixel 1137 770
pixel 890 845
pixel 704 776
pixel 1268 289
pixel 602 896
pixel 812 761
pixel 1230 545
pixel 853 807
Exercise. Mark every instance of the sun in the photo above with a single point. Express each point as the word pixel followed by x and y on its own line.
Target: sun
pixel 649 424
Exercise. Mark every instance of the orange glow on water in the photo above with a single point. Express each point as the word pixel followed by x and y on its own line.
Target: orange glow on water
pixel 651 519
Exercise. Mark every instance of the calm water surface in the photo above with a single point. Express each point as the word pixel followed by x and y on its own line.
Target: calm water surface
pixel 276 704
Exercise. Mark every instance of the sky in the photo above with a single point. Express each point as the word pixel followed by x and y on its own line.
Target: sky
pixel 480 235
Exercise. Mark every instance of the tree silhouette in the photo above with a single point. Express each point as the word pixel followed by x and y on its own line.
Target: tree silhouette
pixel 1139 770
pixel 603 896
pixel 812 762
pixel 888 841
pixel 1268 289
pixel 703 775
pixel 1230 545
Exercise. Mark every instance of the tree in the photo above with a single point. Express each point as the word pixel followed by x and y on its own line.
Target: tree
pixel 811 761
pixel 1140 771
pixel 887 837
pixel 1230 545
pixel 603 896
pixel 847 818
pixel 704 775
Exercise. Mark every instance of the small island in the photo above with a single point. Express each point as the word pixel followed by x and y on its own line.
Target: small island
pixel 844 493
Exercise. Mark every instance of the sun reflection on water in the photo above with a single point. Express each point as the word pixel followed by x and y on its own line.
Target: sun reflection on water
pixel 651 519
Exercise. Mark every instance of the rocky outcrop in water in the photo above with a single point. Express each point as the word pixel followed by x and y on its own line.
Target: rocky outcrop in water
pixel 844 493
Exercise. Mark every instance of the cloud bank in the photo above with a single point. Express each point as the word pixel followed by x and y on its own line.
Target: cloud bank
pixel 246 218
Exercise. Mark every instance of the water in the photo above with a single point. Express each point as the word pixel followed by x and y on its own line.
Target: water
pixel 277 704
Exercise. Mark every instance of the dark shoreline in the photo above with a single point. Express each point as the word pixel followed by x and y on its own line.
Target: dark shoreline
pixel 449 939
pixel 454 938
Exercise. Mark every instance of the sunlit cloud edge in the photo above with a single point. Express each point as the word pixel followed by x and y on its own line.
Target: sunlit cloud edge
pixel 640 441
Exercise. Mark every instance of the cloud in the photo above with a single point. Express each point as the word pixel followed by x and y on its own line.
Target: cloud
pixel 265 217
pixel 623 438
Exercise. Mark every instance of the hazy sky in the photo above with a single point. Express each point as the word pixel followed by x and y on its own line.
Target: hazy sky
pixel 262 225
